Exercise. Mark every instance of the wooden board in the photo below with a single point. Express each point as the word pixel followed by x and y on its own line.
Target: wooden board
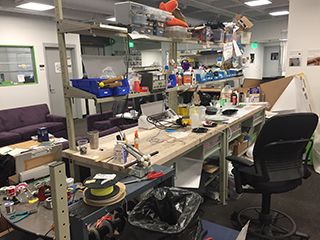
pixel 25 145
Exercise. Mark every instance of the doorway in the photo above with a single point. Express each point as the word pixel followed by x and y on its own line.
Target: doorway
pixel 55 84
pixel 272 62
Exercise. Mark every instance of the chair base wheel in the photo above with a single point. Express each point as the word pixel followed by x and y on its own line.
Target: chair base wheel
pixel 272 226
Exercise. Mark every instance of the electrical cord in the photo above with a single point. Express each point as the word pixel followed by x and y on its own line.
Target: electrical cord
pixel 51 229
pixel 159 123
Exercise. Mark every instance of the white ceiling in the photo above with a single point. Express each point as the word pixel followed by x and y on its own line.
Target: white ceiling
pixel 207 10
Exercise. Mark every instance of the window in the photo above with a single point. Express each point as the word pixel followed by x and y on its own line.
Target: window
pixel 17 66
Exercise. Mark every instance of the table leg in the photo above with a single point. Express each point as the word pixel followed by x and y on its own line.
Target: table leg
pixel 74 170
pixel 223 169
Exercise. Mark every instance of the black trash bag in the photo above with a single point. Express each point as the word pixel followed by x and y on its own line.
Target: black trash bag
pixel 165 214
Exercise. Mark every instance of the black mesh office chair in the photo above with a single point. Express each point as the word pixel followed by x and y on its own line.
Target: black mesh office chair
pixel 279 166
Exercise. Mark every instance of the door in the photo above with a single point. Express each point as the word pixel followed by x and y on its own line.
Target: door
pixel 55 81
pixel 272 57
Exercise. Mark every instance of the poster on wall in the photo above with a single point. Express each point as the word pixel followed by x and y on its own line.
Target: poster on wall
pixel 295 58
pixel 313 58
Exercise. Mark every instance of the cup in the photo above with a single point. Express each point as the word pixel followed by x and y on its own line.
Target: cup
pixel 94 139
pixel 9 206
pixel 82 144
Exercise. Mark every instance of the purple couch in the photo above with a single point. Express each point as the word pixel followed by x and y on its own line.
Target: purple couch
pixel 19 124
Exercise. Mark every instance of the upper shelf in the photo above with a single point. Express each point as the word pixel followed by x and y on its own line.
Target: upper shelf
pixel 102 30
pixel 73 92
pixel 95 29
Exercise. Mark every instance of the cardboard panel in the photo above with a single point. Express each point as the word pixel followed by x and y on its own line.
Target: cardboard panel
pixel 249 82
pixel 274 89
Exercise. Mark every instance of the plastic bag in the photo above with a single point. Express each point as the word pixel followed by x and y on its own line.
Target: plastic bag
pixel 166 213
pixel 108 73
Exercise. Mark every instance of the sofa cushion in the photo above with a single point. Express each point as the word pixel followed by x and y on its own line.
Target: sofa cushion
pixel 2 128
pixel 7 138
pixel 35 114
pixel 24 116
pixel 28 131
pixel 102 125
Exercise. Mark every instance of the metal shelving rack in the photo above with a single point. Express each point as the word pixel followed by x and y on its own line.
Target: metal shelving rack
pixel 69 26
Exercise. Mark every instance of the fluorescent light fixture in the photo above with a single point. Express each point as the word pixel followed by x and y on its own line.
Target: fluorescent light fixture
pixel 35 6
pixel 256 3
pixel 279 13
pixel 111 19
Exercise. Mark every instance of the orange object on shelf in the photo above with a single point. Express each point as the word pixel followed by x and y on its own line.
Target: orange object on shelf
pixel 172 7
pixel 187 79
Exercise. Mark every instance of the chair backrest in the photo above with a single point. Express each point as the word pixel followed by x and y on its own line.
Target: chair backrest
pixel 278 151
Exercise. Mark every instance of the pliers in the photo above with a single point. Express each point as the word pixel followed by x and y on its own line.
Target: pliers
pixel 150 176
pixel 18 216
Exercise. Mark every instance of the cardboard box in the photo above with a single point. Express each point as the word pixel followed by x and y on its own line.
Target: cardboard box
pixel 240 147
pixel 243 22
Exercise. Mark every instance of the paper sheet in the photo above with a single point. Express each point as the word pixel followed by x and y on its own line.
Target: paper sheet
pixel 243 233
pixel 5 150
pixel 188 173
pixel 17 151
pixel 138 36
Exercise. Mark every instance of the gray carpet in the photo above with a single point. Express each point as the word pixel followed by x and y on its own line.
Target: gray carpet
pixel 302 204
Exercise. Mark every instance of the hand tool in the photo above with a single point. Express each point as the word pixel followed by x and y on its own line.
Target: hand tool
pixel 150 176
pixel 18 216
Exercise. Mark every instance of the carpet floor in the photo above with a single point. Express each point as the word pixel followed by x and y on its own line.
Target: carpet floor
pixel 302 204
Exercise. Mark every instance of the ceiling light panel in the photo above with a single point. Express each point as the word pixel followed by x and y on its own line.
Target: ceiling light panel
pixel 257 3
pixel 35 6
pixel 279 13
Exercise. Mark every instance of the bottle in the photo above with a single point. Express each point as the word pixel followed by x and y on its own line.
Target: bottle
pixel 226 93
pixel 234 98
pixel 136 140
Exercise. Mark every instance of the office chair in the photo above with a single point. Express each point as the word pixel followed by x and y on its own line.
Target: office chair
pixel 280 163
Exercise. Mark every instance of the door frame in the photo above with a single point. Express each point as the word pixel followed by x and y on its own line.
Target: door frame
pixel 75 70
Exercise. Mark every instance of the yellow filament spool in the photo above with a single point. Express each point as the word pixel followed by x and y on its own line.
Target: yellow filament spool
pixel 102 191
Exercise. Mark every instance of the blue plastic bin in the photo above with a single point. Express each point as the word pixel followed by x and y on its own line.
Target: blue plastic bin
pixel 123 90
pixel 172 82
pixel 91 85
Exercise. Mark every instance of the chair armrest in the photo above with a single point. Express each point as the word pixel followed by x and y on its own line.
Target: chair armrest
pixel 55 118
pixel 240 160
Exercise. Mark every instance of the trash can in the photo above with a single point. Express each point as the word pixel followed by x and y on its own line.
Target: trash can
pixel 166 214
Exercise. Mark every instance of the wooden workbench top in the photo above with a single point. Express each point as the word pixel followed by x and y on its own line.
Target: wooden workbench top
pixel 169 145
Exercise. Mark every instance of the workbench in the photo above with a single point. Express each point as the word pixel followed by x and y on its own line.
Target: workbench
pixel 81 214
pixel 175 148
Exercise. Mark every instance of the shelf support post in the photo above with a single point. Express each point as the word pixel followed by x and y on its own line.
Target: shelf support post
pixel 65 76
pixel 173 96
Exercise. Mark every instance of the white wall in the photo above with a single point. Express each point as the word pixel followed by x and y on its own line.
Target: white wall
pixel 263 32
pixel 148 57
pixel 304 35
pixel 31 31
pixel 269 30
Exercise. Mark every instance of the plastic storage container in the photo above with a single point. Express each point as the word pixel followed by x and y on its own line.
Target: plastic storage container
pixel 177 32
pixel 91 85
pixel 123 90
